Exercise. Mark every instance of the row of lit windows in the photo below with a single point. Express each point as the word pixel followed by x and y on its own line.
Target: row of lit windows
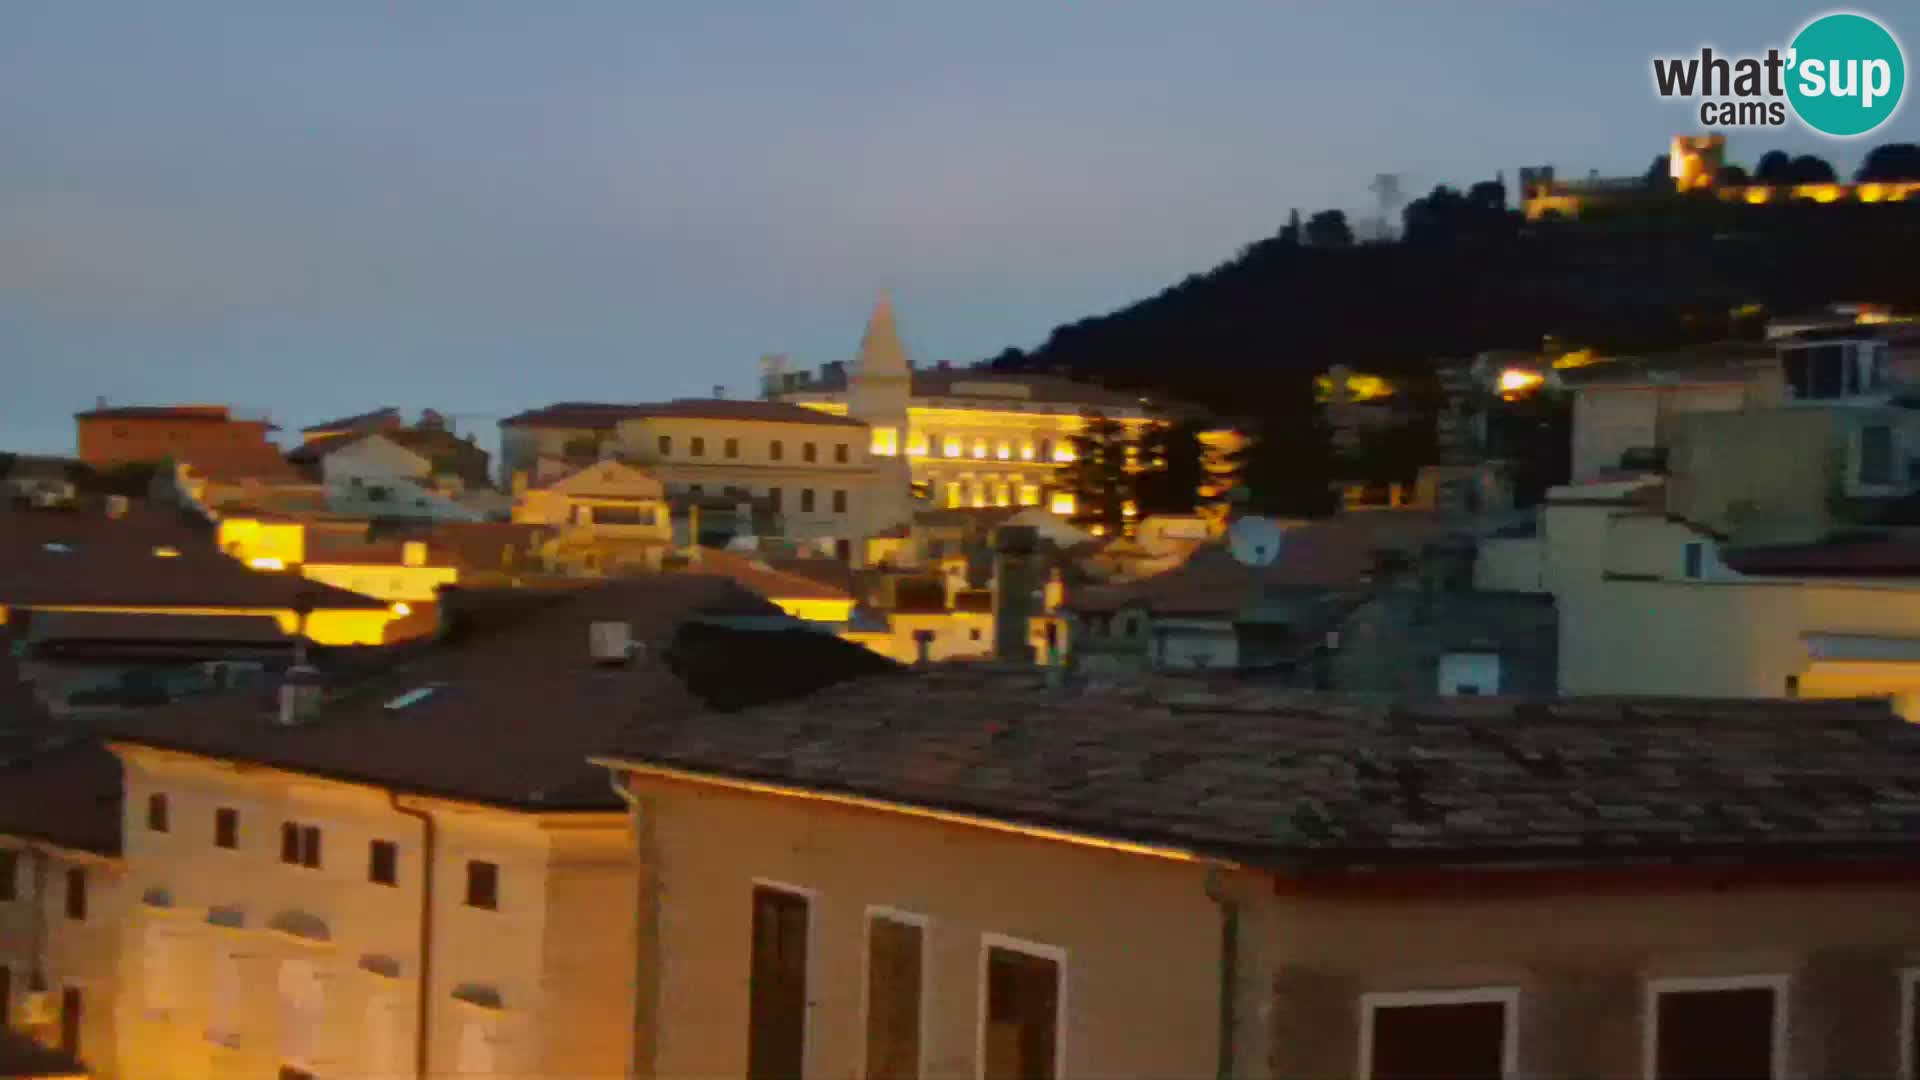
pixel 776 449
pixel 924 444
pixel 300 845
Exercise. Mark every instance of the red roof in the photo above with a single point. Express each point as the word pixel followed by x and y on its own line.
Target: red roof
pixel 207 414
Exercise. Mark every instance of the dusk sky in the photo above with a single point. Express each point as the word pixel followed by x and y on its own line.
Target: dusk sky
pixel 313 210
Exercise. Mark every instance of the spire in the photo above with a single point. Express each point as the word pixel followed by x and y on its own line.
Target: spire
pixel 881 352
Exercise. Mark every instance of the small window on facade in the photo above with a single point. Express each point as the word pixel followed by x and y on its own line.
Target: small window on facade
pixel 77 893
pixel 732 448
pixel 226 827
pixel 895 961
pixel 666 445
pixel 483 885
pixel 1441 1034
pixel 806 500
pixel 1694 552
pixel 71 1011
pixel 300 844
pixel 695 489
pixel 698 448
pixel 1876 455
pixel 777 985
pixel 809 452
pixel 773 498
pixel 840 453
pixel 156 813
pixel 310 846
pixel 775 450
pixel 9 874
pixel 1021 1030
pixel 840 502
pixel 1707 1029
pixel 383 862
pixel 973 634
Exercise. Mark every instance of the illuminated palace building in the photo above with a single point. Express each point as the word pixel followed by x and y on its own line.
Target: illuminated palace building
pixel 965 437
pixel 1694 163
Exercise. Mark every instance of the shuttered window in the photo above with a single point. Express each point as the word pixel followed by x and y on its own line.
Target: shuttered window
pixel 1715 1033
pixel 1022 1029
pixel 895 954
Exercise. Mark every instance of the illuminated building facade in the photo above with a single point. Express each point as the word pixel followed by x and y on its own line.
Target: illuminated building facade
pixel 966 437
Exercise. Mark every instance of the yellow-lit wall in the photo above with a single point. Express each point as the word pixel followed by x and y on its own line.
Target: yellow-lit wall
pixel 408 584
pixel 247 539
pixel 81 954
pixel 565 912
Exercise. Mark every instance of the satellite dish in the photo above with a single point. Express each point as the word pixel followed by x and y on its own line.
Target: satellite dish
pixel 1254 541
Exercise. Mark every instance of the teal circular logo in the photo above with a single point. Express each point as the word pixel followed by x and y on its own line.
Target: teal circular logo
pixel 1845 75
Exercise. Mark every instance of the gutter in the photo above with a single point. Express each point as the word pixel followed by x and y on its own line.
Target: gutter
pixel 1229 971
pixel 427 843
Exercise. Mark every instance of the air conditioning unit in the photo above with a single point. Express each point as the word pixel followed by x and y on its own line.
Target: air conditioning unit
pixel 39 1009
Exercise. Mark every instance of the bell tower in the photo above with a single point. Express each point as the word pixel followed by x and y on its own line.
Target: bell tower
pixel 879 387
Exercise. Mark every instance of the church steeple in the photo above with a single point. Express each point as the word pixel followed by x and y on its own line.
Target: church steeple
pixel 881 353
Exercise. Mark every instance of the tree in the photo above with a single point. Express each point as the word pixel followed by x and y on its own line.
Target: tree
pixel 1774 167
pixel 1808 169
pixel 1731 176
pixel 1290 232
pixel 1660 174
pixel 1172 467
pixel 1329 228
pixel 1892 161
pixel 1097 475
pixel 1287 467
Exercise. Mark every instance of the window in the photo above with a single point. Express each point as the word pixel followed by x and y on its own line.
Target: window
pixel 775 450
pixel 698 448
pixel 300 844
pixel 840 454
pixel 773 498
pixel 226 827
pixel 806 500
pixel 77 894
pixel 777 988
pixel 666 445
pixel 885 442
pixel 896 968
pixel 1021 1005
pixel 383 862
pixel 71 1011
pixel 840 502
pixel 9 877
pixel 1705 1028
pixel 483 885
pixel 1469 674
pixel 1450 1033
pixel 809 452
pixel 1876 455
pixel 979 448
pixel 695 490
pixel 156 813
pixel 1691 557
pixel 732 448
pixel 622 515
pixel 1046 449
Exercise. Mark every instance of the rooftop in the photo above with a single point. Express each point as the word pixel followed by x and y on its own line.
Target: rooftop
pixel 601 416
pixel 68 796
pixel 504 707
pixel 215 414
pixel 378 418
pixel 1294 781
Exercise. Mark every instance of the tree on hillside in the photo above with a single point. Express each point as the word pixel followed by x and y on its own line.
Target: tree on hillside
pixel 1659 175
pixel 1808 169
pixel 1892 161
pixel 1731 176
pixel 1286 469
pixel 1329 228
pixel 1773 167
pixel 1172 466
pixel 1097 475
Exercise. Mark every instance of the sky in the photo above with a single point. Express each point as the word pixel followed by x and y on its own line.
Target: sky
pixel 479 206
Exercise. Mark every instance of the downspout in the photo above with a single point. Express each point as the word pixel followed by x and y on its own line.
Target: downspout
pixel 1229 970
pixel 422 1039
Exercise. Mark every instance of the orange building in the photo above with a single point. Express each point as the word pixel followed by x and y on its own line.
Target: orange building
pixel 118 436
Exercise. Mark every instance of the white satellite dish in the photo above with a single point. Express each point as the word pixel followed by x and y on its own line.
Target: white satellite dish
pixel 1254 541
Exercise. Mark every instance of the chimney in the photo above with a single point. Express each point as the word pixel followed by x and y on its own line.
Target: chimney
pixel 922 647
pixel 719 392
pixel 1016 578
pixel 299 691
pixel 610 643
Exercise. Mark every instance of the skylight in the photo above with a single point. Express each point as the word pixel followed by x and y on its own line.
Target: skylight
pixel 412 697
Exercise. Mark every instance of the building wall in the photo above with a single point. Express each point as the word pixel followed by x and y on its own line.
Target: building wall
pixel 518 954
pixel 1609 420
pixel 110 441
pixel 36 935
pixel 1580 1009
pixel 1141 976
pixel 399 584
pixel 1510 564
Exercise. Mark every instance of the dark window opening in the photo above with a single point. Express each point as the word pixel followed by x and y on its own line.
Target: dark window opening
pixel 1023 1016
pixel 839 502
pixel 699 447
pixel 70 1014
pixel 777 990
pixel 77 894
pixel 806 500
pixel 483 885
pixel 383 862
pixel 893 1000
pixel 1714 1034
pixel 809 452
pixel 1694 554
pixel 157 813
pixel 300 844
pixel 9 876
pixel 1455 1041
pixel 1876 454
pixel 666 445
pixel 733 448
pixel 226 827
pixel 840 453
pixel 775 450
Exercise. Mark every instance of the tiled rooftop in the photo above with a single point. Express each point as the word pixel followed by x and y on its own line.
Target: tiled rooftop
pixel 603 416
pixel 1286 780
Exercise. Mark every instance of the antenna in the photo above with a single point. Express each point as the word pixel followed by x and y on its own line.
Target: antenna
pixel 1254 541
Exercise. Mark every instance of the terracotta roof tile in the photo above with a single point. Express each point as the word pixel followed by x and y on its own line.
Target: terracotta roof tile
pixel 1290 780
pixel 600 416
